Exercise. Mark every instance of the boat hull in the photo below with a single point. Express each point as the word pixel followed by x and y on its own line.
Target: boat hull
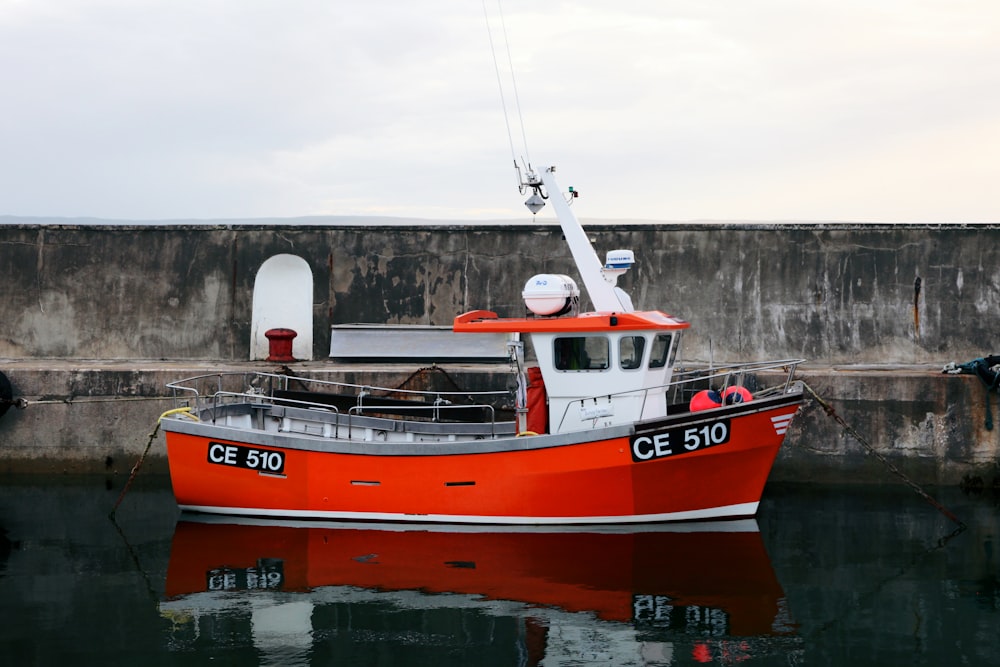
pixel 674 469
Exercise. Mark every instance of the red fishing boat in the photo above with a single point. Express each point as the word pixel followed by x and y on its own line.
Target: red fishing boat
pixel 604 427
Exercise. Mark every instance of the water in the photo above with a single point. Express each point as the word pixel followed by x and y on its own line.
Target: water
pixel 835 576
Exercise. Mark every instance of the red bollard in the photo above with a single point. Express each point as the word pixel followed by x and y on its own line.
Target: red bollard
pixel 280 344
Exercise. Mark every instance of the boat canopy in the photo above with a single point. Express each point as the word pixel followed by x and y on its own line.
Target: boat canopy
pixel 485 321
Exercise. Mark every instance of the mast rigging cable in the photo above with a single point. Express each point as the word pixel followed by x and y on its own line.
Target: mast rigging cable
pixel 503 101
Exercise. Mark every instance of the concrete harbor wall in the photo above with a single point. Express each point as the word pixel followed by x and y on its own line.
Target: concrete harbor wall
pixel 94 319
pixel 834 294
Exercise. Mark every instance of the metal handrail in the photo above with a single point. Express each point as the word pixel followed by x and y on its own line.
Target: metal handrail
pixel 677 382
pixel 696 375
pixel 222 397
pixel 356 410
pixel 217 402
pixel 180 385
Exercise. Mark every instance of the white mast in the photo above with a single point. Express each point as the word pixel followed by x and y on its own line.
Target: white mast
pixel 603 293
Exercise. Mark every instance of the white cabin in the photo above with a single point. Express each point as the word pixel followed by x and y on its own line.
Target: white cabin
pixel 599 369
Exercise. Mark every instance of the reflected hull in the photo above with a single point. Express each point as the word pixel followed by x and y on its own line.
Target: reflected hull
pixel 717 572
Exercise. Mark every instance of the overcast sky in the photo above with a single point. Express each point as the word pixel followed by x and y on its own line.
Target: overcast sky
pixel 844 110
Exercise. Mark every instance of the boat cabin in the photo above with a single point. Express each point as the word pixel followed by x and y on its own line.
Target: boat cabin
pixel 597 369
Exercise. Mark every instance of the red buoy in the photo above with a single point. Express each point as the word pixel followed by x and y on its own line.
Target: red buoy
pixel 736 395
pixel 705 400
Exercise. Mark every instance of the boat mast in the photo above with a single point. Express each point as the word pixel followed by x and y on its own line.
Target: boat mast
pixel 604 296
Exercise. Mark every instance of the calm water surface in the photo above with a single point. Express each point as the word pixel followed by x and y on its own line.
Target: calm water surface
pixel 825 576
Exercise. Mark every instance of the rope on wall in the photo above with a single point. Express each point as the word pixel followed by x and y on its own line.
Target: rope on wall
pixel 853 432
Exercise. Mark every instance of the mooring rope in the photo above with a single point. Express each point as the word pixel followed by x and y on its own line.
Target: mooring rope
pixel 983 369
pixel 853 432
pixel 70 400
pixel 138 464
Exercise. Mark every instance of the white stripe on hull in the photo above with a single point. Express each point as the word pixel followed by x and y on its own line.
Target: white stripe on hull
pixel 727 512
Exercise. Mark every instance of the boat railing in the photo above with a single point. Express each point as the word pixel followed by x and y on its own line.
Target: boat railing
pixel 357 411
pixel 211 392
pixel 685 383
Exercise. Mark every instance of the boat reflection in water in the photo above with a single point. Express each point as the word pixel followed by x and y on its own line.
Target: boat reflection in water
pixel 637 595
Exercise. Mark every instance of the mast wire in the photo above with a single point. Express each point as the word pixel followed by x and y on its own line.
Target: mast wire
pixel 513 83
pixel 503 100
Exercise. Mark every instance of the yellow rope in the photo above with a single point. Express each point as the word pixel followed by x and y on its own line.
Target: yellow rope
pixel 186 411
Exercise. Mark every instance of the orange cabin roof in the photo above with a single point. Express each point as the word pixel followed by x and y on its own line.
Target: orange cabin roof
pixel 485 321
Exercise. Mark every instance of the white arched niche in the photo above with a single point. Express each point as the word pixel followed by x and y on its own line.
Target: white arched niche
pixel 282 299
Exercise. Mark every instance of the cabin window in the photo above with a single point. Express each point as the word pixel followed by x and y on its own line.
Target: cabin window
pixel 630 349
pixel 582 353
pixel 661 347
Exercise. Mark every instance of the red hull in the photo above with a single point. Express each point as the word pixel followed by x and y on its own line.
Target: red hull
pixel 588 482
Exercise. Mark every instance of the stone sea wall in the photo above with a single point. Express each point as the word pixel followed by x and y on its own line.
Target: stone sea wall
pixel 833 294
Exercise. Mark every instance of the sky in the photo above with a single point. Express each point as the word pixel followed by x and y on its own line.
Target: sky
pixel 665 110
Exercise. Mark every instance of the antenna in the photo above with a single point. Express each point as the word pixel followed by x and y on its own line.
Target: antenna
pixel 603 294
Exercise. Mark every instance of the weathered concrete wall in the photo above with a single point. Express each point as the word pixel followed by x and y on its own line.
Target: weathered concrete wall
pixel 930 426
pixel 830 293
